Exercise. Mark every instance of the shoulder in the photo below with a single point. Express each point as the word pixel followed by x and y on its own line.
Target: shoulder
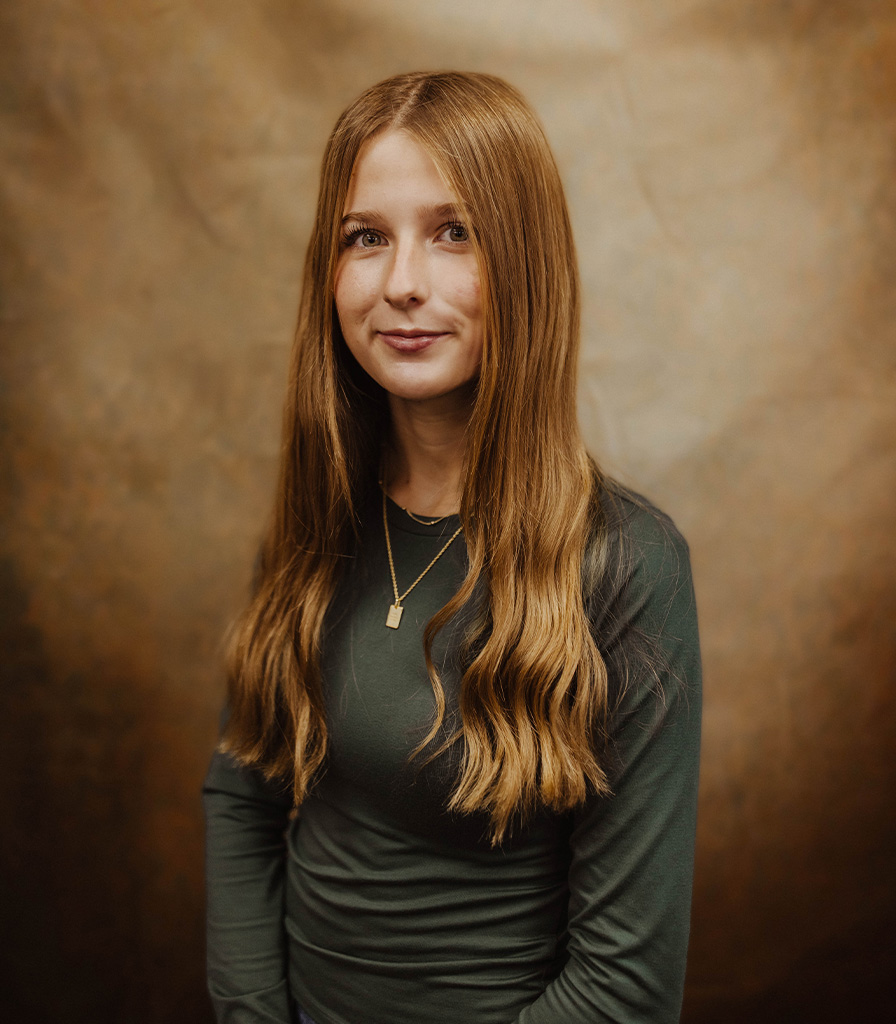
pixel 634 545
pixel 640 595
pixel 641 540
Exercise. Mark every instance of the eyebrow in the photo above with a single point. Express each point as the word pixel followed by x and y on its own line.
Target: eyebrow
pixel 450 211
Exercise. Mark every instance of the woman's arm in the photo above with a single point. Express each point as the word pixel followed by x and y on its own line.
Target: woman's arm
pixel 246 819
pixel 633 853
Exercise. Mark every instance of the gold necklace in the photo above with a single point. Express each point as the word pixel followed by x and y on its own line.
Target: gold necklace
pixel 393 619
pixel 417 519
pixel 408 512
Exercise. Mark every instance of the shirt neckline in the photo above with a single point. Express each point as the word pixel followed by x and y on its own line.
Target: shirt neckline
pixel 400 520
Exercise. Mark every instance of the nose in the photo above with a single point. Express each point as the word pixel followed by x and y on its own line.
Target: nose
pixel 406 278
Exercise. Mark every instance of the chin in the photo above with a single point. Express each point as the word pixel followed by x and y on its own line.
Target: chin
pixel 460 394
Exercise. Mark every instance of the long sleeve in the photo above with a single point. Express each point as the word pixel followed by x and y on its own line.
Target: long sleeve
pixel 632 853
pixel 246 819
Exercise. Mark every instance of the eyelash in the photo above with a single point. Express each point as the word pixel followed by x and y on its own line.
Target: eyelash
pixel 457 224
pixel 355 231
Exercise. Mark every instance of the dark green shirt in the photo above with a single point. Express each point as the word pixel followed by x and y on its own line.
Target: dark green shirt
pixel 378 907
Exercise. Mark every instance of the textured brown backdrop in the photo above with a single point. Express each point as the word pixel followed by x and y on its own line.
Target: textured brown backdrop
pixel 730 166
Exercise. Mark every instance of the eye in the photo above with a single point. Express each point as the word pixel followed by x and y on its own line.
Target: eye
pixel 457 233
pixel 362 238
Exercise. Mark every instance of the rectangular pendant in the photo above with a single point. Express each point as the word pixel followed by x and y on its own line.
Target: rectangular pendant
pixel 393 619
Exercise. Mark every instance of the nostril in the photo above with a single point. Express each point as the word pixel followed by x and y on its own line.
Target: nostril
pixel 402 301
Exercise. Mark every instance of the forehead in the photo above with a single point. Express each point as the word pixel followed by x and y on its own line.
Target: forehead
pixel 392 167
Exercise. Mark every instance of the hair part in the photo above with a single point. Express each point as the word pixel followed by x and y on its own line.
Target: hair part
pixel 533 694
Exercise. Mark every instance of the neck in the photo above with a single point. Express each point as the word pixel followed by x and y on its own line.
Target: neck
pixel 425 456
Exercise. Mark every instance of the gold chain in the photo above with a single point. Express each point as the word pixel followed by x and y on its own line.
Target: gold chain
pixel 417 519
pixel 393 619
pixel 408 512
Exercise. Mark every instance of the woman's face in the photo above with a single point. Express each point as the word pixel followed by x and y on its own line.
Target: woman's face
pixel 407 282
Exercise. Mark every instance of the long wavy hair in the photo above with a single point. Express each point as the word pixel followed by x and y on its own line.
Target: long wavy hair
pixel 533 692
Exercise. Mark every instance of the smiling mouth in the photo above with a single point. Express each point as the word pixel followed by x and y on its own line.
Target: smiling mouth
pixel 410 341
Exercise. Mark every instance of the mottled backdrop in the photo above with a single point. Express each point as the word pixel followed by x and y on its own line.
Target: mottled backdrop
pixel 730 167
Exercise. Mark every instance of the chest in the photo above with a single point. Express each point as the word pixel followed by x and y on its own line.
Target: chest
pixel 379 699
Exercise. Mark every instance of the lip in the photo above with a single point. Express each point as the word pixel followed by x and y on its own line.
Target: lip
pixel 410 340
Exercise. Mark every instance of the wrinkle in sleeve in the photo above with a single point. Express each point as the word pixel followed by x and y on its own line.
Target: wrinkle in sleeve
pixel 246 820
pixel 633 852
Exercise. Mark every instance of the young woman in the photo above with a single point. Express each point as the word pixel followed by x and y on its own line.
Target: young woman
pixel 458 778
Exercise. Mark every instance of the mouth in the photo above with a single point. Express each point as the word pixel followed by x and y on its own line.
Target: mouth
pixel 410 340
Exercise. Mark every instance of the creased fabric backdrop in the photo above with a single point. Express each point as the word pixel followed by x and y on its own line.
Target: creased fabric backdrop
pixel 730 168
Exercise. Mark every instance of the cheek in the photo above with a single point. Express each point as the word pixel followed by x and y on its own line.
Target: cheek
pixel 468 296
pixel 349 293
pixel 339 290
